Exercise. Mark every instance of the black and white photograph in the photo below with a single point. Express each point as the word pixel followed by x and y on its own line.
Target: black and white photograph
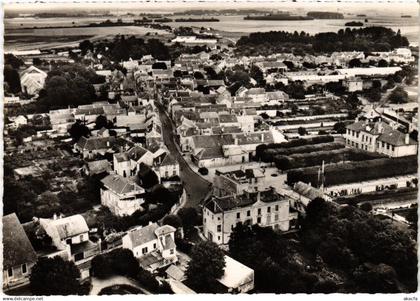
pixel 210 147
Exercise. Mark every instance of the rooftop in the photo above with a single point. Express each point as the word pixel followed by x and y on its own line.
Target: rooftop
pixel 142 235
pixel 17 248
pixel 120 185
pixel 227 203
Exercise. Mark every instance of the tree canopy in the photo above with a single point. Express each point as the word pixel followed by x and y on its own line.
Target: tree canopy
pixel 207 264
pixel 12 78
pixel 54 276
pixel 398 95
pixel 78 130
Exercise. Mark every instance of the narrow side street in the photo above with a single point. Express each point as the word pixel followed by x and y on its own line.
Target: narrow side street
pixel 196 187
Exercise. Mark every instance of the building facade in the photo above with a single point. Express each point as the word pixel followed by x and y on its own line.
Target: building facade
pixel 265 208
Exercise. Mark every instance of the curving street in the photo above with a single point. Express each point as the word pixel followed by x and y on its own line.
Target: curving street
pixel 196 187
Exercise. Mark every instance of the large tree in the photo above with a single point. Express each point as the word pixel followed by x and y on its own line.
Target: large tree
pixel 12 78
pixel 54 276
pixel 78 130
pixel 207 264
pixel 189 218
pixel 398 95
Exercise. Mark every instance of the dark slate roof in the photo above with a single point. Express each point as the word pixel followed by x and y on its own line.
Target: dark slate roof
pixel 136 152
pixel 219 204
pixel 227 118
pixel 169 242
pixel 95 143
pixel 210 153
pixel 168 160
pixel 374 128
pixel 119 184
pixel 396 138
pixel 17 248
pixel 210 141
pixel 142 235
pixel 385 132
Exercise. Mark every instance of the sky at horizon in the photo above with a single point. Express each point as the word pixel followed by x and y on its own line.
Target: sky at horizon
pixel 387 7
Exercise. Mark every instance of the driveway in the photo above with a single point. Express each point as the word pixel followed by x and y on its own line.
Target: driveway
pixel 196 187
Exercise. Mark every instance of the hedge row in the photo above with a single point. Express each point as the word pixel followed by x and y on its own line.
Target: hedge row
pixel 293 143
pixel 351 172
pixel 269 154
pixel 328 156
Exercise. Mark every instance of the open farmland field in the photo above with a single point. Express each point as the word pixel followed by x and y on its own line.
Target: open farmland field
pixel 29 39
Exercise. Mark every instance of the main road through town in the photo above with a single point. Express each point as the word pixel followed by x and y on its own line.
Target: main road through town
pixel 195 186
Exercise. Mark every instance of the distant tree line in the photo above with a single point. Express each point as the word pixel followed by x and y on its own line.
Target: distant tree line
pixel 372 38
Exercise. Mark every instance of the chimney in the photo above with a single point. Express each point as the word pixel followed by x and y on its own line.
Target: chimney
pixel 108 143
pixel 380 127
pixel 262 137
pixel 258 196
pixel 407 138
pixel 54 216
pixel 236 141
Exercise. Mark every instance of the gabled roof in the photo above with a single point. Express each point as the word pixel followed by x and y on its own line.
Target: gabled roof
pixel 396 138
pixel 307 191
pixel 210 141
pixel 164 230
pixel 136 152
pixel 227 118
pixel 17 248
pixel 33 69
pixel 210 153
pixel 142 235
pixel 67 226
pixel 95 143
pixel 168 160
pixel 120 185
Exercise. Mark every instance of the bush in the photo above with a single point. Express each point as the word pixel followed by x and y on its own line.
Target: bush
pixel 329 156
pixel 269 154
pixel 184 246
pixel 356 171
pixel 117 262
pixel 203 171
pixel 293 143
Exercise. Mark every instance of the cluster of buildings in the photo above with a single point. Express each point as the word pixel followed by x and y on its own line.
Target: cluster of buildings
pixel 214 129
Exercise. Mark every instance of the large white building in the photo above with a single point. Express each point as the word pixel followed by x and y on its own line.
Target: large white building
pixel 379 137
pixel 121 195
pixel 265 208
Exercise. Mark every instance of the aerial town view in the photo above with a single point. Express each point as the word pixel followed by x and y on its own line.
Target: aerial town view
pixel 193 148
